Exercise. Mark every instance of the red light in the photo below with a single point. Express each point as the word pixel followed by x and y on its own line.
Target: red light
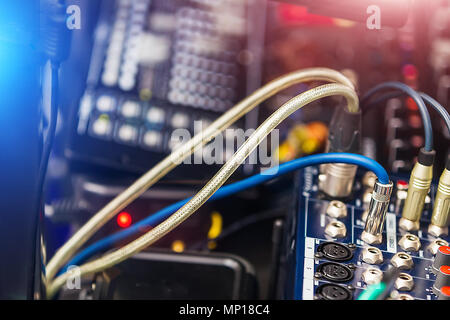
pixel 124 220
pixel 402 184
pixel 411 104
pixel 294 14
pixel 410 71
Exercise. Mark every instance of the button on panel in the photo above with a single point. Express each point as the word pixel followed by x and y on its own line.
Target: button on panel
pixel 155 116
pixel 101 126
pixel 126 133
pixel 180 120
pixel 130 109
pixel 106 103
pixel 152 139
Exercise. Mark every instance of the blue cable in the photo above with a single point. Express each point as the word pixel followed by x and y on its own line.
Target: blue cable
pixel 231 189
pixel 428 100
pixel 438 107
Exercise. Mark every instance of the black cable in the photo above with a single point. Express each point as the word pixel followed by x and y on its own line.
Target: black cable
pixel 277 243
pixel 389 278
pixel 48 142
pixel 417 99
pixel 245 222
pixel 428 100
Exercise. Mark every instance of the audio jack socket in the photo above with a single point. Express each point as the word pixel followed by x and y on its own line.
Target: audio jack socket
pixel 419 186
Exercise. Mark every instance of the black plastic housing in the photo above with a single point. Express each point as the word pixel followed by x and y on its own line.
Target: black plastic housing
pixel 345 131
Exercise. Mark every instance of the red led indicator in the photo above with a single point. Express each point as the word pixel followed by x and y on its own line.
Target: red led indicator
pixel 402 183
pixel 124 220
pixel 410 71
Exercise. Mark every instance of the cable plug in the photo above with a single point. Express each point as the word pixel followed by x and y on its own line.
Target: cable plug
pixel 344 136
pixel 440 219
pixel 376 216
pixel 419 186
pixel 55 36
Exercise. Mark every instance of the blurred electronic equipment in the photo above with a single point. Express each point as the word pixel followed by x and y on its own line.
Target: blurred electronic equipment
pixel 299 35
pixel 158 66
pixel 156 274
pixel 395 13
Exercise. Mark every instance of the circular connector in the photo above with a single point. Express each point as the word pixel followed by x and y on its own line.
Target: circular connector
pixel 330 291
pixel 408 225
pixel 404 296
pixel 335 251
pixel 369 179
pixel 371 238
pixel 372 275
pixel 402 260
pixel 337 209
pixel 409 242
pixel 372 255
pixel 437 231
pixel 336 229
pixel 435 245
pixel 334 272
pixel 367 196
pixel 404 282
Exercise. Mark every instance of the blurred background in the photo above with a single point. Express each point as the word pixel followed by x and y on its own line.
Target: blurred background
pixel 138 69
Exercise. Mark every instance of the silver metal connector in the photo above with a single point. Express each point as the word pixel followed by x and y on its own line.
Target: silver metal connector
pixel 338 179
pixel 378 207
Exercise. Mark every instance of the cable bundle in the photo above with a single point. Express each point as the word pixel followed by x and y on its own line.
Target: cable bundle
pixel 176 213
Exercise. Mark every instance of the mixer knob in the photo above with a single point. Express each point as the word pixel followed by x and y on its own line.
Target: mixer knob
pixel 442 279
pixel 444 294
pixel 442 258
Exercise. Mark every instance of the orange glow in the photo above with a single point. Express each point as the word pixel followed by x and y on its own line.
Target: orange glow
pixel 124 220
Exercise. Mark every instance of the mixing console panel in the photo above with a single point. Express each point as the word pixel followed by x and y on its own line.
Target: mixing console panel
pixel 328 260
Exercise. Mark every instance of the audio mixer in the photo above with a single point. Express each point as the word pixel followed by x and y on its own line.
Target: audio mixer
pixel 225 149
pixel 328 260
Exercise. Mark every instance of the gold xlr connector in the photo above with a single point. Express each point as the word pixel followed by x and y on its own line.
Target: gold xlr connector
pixel 440 218
pixel 419 186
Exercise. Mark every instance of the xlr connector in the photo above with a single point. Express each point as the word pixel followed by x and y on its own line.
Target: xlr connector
pixel 344 136
pixel 378 207
pixel 419 186
pixel 440 218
